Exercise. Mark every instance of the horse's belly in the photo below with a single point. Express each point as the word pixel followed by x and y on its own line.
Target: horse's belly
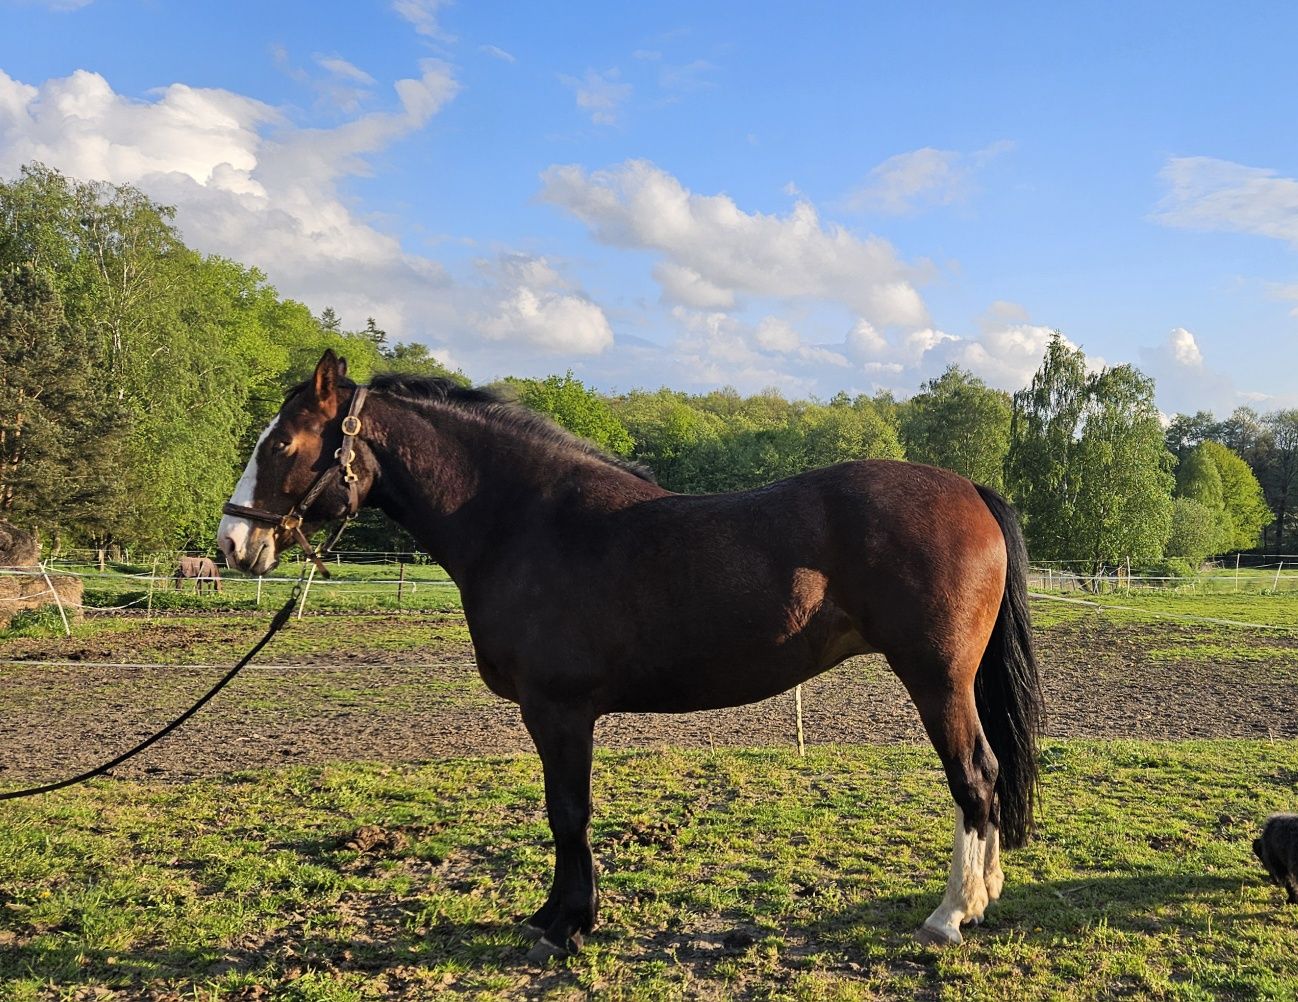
pixel 733 678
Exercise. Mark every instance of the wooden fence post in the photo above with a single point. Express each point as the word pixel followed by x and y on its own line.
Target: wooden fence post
pixel 401 581
pixel 1275 587
pixel 797 711
pixel 153 577
pixel 258 591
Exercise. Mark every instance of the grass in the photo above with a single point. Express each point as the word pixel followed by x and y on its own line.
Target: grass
pixel 750 874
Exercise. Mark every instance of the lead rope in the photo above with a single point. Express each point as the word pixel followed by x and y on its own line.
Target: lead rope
pixel 276 624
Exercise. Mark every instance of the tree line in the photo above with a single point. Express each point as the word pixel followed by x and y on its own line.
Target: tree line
pixel 135 374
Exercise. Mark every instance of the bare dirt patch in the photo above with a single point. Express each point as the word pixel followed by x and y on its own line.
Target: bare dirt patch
pixel 352 699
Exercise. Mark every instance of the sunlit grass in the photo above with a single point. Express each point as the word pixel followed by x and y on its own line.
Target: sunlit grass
pixel 743 873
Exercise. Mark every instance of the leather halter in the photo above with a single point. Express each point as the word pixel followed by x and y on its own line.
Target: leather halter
pixel 293 518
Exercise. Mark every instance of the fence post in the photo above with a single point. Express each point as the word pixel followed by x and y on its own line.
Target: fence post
pixel 1275 587
pixel 306 588
pixel 797 711
pixel 1237 572
pixel 258 591
pixel 153 577
pixel 58 601
pixel 401 582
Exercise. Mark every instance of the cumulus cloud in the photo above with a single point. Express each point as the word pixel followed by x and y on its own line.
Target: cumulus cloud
pixel 250 185
pixel 921 178
pixel 714 252
pixel 536 308
pixel 1204 193
pixel 601 94
pixel 1185 381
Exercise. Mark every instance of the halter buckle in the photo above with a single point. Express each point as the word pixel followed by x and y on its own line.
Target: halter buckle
pixel 351 425
pixel 291 521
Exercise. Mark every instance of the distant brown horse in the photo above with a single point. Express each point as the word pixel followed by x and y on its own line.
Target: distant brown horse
pixel 203 572
pixel 589 589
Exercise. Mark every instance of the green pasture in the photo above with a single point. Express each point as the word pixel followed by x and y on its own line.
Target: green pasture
pixel 750 874
pixel 350 586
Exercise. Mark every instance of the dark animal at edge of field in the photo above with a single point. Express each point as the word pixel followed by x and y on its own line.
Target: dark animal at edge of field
pixel 1277 848
pixel 590 589
pixel 201 570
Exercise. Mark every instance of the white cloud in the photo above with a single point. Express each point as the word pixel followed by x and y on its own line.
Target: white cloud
pixel 342 68
pixel 921 178
pixel 601 94
pixel 1208 194
pixel 775 334
pixel 535 308
pixel 496 52
pixel 709 243
pixel 423 15
pixel 249 185
pixel 1183 348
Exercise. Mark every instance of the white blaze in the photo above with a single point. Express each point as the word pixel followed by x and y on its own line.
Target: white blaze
pixel 232 536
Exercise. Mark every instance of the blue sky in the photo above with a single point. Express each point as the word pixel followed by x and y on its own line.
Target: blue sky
pixel 815 197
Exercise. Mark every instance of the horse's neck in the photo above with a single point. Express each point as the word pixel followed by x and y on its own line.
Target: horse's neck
pixel 464 488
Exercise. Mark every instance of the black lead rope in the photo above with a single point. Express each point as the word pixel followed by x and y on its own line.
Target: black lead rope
pixel 276 625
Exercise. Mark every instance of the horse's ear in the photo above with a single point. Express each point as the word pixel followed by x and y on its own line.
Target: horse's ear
pixel 326 383
pixel 342 368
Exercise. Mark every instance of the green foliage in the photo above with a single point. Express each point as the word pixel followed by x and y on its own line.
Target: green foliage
pixel 1168 567
pixel 570 403
pixel 1245 507
pixel 1087 465
pixel 61 430
pixel 1196 531
pixel 958 422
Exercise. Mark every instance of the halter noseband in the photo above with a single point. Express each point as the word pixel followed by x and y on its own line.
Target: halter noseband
pixel 293 518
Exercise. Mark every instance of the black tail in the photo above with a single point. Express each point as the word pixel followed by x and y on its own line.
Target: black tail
pixel 1008 688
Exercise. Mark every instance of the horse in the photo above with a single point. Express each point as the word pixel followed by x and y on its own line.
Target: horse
pixel 202 570
pixel 589 589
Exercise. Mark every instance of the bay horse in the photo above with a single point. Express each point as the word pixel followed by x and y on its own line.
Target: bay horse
pixel 590 589
pixel 201 570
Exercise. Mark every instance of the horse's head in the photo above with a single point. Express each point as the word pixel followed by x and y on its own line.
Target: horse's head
pixel 288 461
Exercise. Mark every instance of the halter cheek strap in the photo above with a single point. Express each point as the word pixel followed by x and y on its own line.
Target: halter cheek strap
pixel 293 518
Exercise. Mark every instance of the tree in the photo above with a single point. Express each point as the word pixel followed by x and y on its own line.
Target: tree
pixel 1241 494
pixel 578 408
pixel 61 431
pixel 958 422
pixel 329 320
pixel 1195 534
pixel 1199 480
pixel 670 435
pixel 1277 466
pixel 1186 431
pixel 1087 465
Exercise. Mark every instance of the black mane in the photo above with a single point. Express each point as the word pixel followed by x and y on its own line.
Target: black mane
pixel 501 410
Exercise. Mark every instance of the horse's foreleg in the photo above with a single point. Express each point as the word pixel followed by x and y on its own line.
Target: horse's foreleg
pixel 564 737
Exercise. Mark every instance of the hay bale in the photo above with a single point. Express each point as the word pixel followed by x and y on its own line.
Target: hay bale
pixel 28 590
pixel 17 548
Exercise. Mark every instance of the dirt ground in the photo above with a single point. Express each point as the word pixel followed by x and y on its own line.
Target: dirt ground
pixel 1102 679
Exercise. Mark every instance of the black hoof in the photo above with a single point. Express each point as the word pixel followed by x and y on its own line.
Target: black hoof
pixel 530 932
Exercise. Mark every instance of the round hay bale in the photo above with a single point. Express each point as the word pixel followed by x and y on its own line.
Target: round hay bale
pixel 28 590
pixel 17 548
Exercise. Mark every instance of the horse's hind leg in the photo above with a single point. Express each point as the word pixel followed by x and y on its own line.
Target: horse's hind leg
pixel 947 707
pixel 564 738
